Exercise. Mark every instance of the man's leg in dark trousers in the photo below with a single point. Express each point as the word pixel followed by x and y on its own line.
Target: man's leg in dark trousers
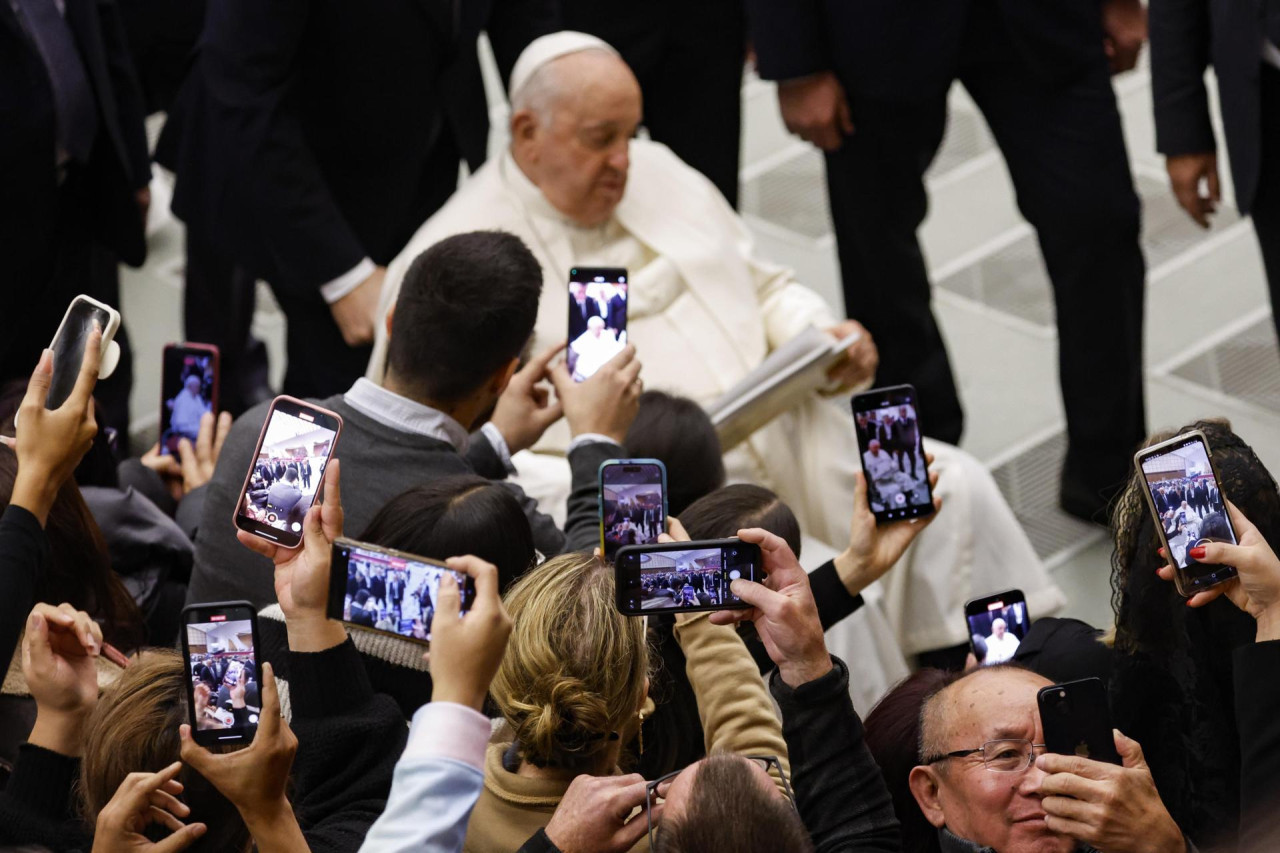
pixel 878 200
pixel 1065 150
pixel 1266 202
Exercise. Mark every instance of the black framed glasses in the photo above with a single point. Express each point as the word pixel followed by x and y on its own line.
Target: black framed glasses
pixel 1010 755
pixel 765 762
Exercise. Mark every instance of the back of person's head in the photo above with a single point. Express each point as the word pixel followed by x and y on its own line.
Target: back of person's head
pixel 722 513
pixel 134 728
pixel 729 810
pixel 79 570
pixel 1166 689
pixel 466 309
pixel 452 516
pixel 892 732
pixel 574 675
pixel 678 431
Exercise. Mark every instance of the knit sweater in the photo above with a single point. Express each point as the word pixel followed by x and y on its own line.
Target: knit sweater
pixel 378 463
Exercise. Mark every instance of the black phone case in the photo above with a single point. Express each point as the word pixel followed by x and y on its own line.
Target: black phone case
pixel 1077 720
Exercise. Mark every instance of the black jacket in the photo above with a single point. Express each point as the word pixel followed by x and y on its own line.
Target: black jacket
pixel 118 164
pixel 310 135
pixel 1186 37
pixel 24 556
pixel 908 50
pixel 1257 696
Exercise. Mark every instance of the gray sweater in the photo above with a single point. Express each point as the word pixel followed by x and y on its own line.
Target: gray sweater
pixel 378 463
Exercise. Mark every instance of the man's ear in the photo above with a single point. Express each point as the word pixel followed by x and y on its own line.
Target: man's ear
pixel 524 126
pixel 390 313
pixel 924 784
pixel 502 376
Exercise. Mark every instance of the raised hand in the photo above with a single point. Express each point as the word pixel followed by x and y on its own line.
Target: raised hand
pixel 195 464
pixel 874 548
pixel 525 409
pixel 58 651
pixel 605 404
pixel 302 574
pixel 466 652
pixel 141 800
pixel 595 815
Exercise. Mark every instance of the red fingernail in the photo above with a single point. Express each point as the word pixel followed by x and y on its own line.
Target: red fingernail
pixel 1160 551
pixel 1197 552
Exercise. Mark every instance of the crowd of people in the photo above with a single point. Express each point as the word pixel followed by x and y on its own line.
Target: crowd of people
pixel 430 316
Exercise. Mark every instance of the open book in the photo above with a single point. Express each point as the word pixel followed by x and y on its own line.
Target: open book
pixel 781 382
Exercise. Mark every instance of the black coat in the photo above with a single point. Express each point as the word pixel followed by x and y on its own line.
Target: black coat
pixel 313 133
pixel 1186 37
pixel 909 50
pixel 578 317
pixel 118 164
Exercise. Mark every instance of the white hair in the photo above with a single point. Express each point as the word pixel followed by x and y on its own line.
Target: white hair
pixel 546 85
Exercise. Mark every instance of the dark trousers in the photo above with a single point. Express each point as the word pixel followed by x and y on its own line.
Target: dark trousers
pixel 1266 203
pixel 1065 151
pixel 217 308
pixel 688 57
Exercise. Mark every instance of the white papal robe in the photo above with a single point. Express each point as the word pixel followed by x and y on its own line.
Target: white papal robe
pixel 703 310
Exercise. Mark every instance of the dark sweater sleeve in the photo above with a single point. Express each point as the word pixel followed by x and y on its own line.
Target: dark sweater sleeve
pixel 829 592
pixel 349 739
pixel 1179 56
pixel 24 554
pixel 582 519
pixel 37 807
pixel 484 459
pixel 838 787
pixel 1257 696
pixel 538 843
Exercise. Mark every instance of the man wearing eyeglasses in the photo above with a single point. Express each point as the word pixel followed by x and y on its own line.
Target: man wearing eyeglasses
pixel 986 783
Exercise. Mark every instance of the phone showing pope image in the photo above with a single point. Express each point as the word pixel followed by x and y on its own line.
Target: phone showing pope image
pixel 286 470
pixel 597 318
pixel 890 445
pixel 188 389
pixel 633 503
pixel 220 650
pixel 1182 491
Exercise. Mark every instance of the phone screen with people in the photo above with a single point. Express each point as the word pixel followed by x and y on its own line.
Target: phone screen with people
pixel 1188 506
pixel 997 625
pixel 890 444
pixel 678 577
pixel 597 318
pixel 388 590
pixel 219 647
pixel 633 503
pixel 188 389
pixel 286 470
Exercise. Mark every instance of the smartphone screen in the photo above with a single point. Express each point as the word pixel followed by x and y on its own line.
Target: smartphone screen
pixel 997 626
pixel 1189 508
pixel 678 577
pixel 219 645
pixel 188 389
pixel 889 443
pixel 1076 720
pixel 633 503
pixel 389 590
pixel 597 318
pixel 288 465
pixel 68 346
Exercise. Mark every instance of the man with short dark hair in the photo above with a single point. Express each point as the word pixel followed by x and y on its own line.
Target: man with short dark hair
pixel 451 402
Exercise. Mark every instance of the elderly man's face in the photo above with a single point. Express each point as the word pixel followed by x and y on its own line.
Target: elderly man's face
pixel 997 810
pixel 579 158
pixel 998 627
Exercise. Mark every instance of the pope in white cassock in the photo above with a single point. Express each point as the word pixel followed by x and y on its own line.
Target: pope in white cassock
pixel 703 310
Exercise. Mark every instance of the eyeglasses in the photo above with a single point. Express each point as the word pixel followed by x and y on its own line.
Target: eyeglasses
pixel 763 761
pixel 999 756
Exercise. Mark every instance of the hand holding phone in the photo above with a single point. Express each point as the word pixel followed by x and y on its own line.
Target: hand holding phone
pixel 84 317
pixel 607 403
pixel 782 610
pixel 466 653
pixel 220 649
pixel 1076 720
pixel 684 577
pixel 59 649
pixel 890 445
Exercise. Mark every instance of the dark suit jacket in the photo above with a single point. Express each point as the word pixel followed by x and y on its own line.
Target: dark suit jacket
pixel 118 165
pixel 617 313
pixel 1257 695
pixel 910 50
pixel 1186 37
pixel 313 133
pixel 578 320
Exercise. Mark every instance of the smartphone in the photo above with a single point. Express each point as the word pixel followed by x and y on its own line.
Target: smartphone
pixel 286 470
pixel 68 344
pixel 889 444
pixel 1077 721
pixel 597 318
pixel 681 577
pixel 633 503
pixel 388 590
pixel 188 389
pixel 219 648
pixel 997 624
pixel 1188 506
